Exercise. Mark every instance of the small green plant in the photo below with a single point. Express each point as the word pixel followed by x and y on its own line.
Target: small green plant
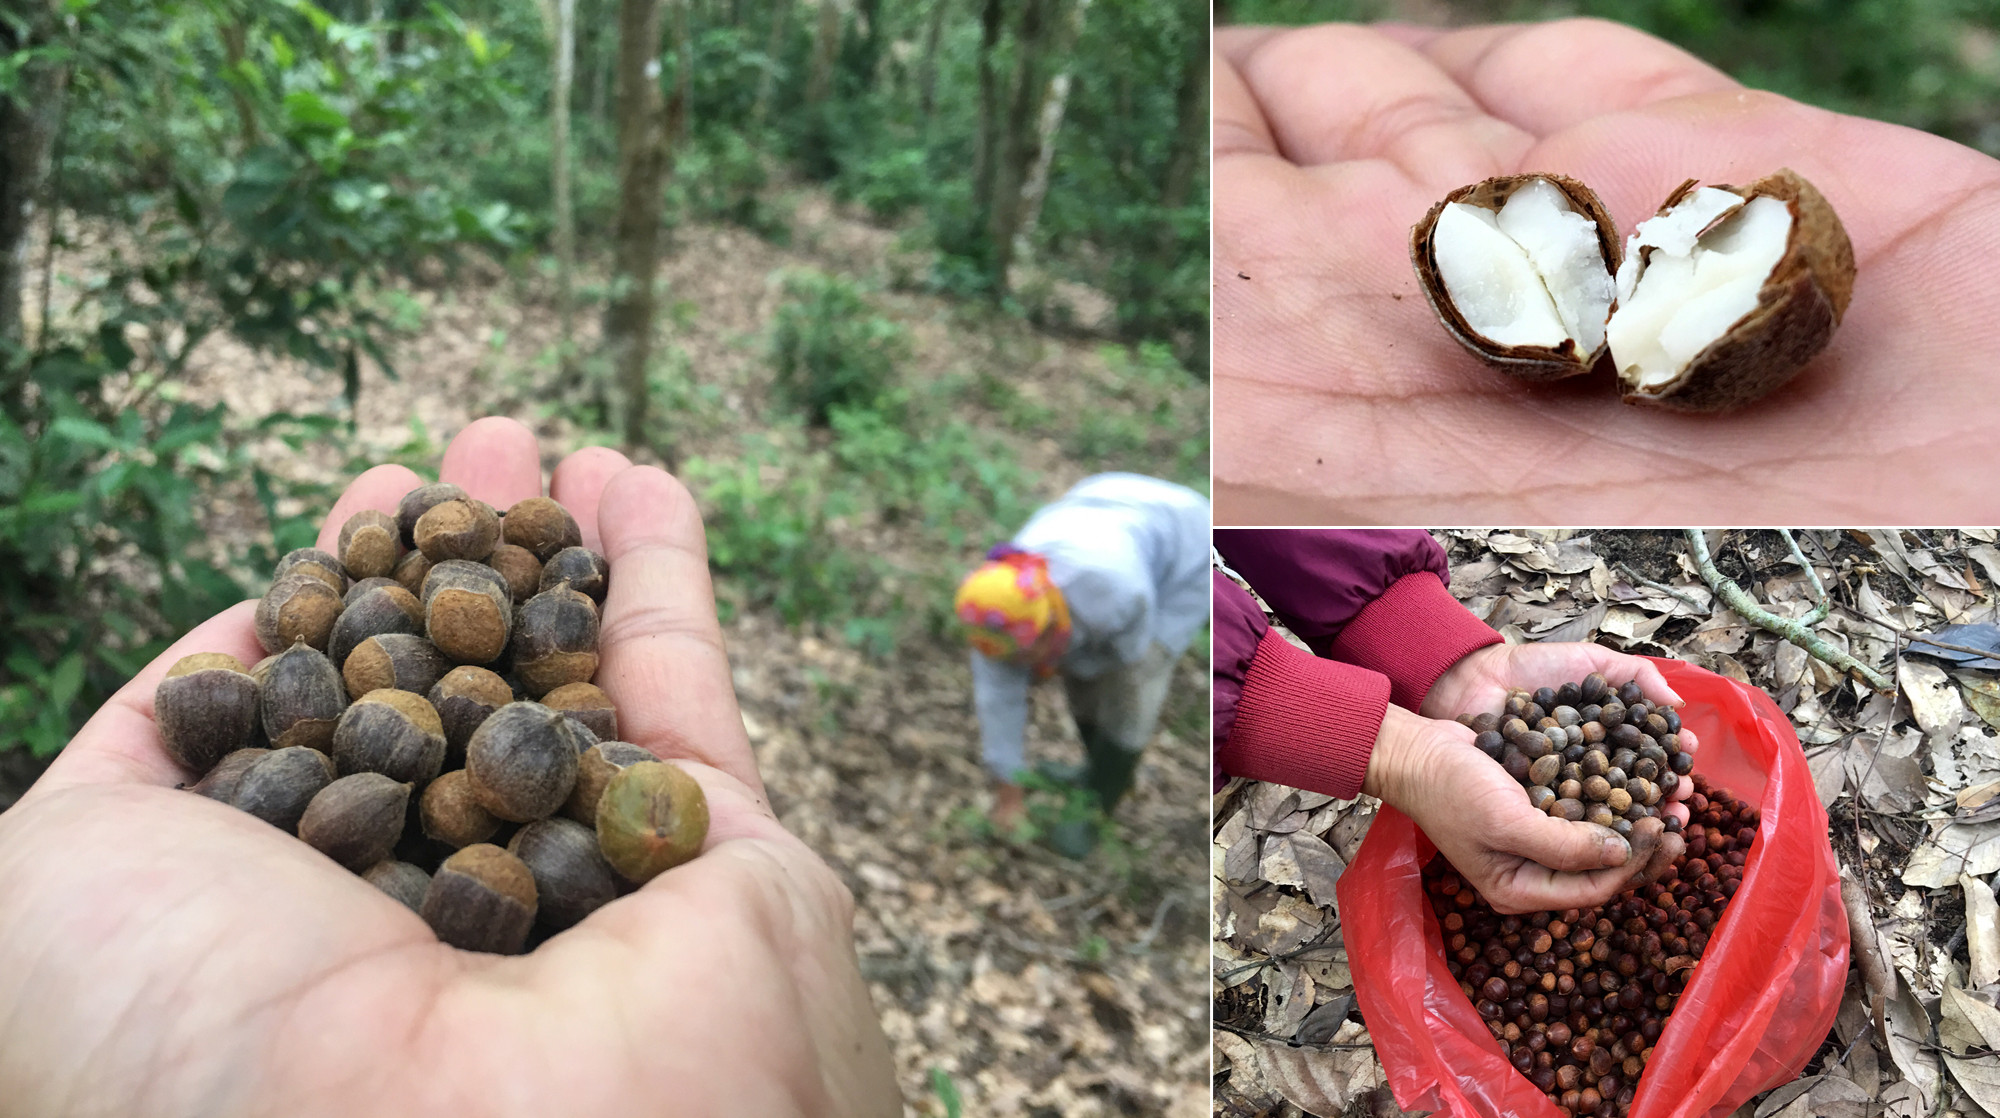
pixel 947 1093
pixel 830 350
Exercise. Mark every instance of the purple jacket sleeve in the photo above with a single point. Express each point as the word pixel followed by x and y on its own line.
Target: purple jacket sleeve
pixel 1318 580
pixel 1239 627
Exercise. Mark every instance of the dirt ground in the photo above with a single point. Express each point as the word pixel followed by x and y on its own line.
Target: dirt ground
pixel 1009 980
pixel 1908 775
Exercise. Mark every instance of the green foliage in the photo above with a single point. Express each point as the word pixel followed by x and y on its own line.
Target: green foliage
pixel 947 1093
pixel 829 350
pixel 722 177
pixel 1930 64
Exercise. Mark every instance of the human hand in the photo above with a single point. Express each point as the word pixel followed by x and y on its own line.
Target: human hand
pixel 1520 859
pixel 1339 399
pixel 1481 679
pixel 163 954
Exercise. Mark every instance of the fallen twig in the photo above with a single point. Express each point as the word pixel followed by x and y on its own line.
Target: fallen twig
pixel 1797 630
pixel 1877 980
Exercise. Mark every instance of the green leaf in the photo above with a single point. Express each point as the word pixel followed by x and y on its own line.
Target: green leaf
pixel 475 41
pixel 64 682
pixel 79 430
pixel 308 110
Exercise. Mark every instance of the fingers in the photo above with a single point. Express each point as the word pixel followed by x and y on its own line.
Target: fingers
pixel 1563 845
pixel 496 460
pixel 1535 888
pixel 578 485
pixel 119 745
pixel 1340 92
pixel 379 488
pixel 1238 126
pixel 663 660
pixel 1545 77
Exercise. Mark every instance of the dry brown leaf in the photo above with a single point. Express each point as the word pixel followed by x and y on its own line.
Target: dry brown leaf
pixel 1288 997
pixel 1982 931
pixel 1886 771
pixel 1319 866
pixel 1909 1038
pixel 1956 848
pixel 1934 702
pixel 1319 1083
pixel 1829 769
pixel 1969 1030
pixel 1982 694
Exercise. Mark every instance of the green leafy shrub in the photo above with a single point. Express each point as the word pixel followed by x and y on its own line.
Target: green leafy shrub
pixel 830 350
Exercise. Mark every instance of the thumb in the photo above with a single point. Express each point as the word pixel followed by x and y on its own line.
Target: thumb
pixel 1563 845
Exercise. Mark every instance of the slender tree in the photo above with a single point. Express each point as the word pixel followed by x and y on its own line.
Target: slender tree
pixel 1017 137
pixel 29 114
pixel 1036 189
pixel 927 69
pixel 561 17
pixel 826 44
pixel 642 164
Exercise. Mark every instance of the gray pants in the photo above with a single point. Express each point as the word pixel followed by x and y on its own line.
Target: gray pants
pixel 1116 713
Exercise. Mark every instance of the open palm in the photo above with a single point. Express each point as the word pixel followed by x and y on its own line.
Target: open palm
pixel 1340 399
pixel 162 954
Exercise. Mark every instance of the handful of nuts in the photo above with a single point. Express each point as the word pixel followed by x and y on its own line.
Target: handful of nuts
pixel 427 699
pixel 1588 751
pixel 1578 999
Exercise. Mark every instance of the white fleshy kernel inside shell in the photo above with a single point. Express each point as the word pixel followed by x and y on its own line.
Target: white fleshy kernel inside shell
pixel 1531 274
pixel 1690 275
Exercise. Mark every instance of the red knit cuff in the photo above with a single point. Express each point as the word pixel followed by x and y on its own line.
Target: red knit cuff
pixel 1303 721
pixel 1412 634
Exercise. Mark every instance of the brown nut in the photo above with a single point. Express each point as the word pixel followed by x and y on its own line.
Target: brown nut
pixel 222 781
pixel 468 614
pixel 370 544
pixel 594 771
pixel 1618 800
pixel 411 571
pixel 401 880
pixel 451 813
pixel 394 733
pixel 1596 788
pixel 299 607
pixel 394 661
pixel 653 817
pixel 312 561
pixel 464 698
pixel 279 786
pixel 572 879
pixel 555 640
pixel 457 529
pixel 541 526
pixel 522 761
pixel 578 568
pixel 356 820
pixel 588 704
pixel 302 697
pixel 376 612
pixel 482 899
pixel 419 501
pixel 205 708
pixel 519 568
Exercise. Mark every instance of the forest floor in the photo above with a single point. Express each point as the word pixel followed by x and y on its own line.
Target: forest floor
pixel 1010 980
pixel 1910 780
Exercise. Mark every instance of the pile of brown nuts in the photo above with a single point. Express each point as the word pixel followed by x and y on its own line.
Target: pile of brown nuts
pixel 427 698
pixel 1588 751
pixel 1577 999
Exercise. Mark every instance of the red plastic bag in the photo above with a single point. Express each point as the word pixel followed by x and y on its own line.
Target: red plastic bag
pixel 1759 1004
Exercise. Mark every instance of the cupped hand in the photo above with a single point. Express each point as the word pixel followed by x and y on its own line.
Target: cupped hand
pixel 1519 859
pixel 1480 680
pixel 162 954
pixel 1339 398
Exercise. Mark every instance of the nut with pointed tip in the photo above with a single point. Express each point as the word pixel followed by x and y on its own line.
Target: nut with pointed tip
pixel 1728 292
pixel 393 661
pixel 464 698
pixel 1518 270
pixel 588 704
pixel 302 698
pixel 452 815
pixel 482 899
pixel 379 610
pixel 522 761
pixel 519 567
pixel 298 608
pixel 370 544
pixel 206 708
pixel 572 879
pixel 312 561
pixel 652 817
pixel 419 501
pixel 394 733
pixel 542 526
pixel 555 640
pixel 594 771
pixel 462 529
pixel 401 880
pixel 356 820
pixel 280 785
pixel 578 568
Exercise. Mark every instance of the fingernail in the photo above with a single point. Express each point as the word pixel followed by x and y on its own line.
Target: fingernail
pixel 1617 852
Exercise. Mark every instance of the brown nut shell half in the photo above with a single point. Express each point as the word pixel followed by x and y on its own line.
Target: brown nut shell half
pixel 206 708
pixel 1800 304
pixel 1534 363
pixel 482 899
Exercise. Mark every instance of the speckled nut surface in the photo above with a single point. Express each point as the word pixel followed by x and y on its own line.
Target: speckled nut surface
pixel 394 733
pixel 370 544
pixel 482 899
pixel 206 708
pixel 522 761
pixel 302 697
pixel 298 608
pixel 541 526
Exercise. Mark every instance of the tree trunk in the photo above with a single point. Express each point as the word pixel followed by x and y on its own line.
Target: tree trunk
pixel 927 70
pixel 989 110
pixel 1036 189
pixel 773 45
pixel 565 74
pixel 1016 148
pixel 235 39
pixel 826 43
pixel 1190 148
pixel 679 110
pixel 28 119
pixel 642 160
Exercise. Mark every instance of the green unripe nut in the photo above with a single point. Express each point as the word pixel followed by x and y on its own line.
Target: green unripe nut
pixel 652 817
pixel 594 771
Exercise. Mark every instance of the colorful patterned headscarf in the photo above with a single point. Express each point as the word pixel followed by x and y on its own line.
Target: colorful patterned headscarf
pixel 1011 610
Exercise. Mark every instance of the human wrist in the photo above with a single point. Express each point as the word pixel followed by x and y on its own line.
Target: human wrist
pixel 1455 680
pixel 1401 744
